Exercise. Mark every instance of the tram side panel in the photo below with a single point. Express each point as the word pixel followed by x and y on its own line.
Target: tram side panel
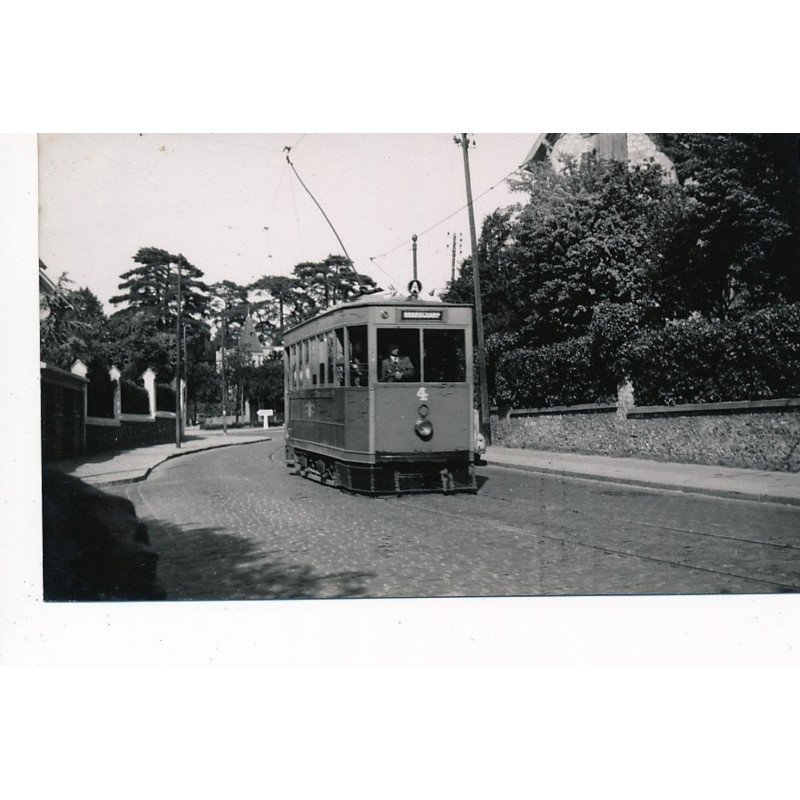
pixel 330 422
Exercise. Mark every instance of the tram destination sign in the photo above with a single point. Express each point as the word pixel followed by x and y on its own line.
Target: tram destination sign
pixel 419 314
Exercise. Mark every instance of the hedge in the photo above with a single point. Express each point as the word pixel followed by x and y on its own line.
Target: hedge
pixel 100 394
pixel 554 375
pixel 754 357
pixel 165 398
pixel 135 399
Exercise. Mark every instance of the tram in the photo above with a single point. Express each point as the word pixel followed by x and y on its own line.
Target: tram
pixel 379 396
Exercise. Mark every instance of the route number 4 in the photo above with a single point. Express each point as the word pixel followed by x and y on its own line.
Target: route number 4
pixel 422 393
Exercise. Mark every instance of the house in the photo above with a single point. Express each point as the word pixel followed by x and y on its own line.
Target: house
pixel 633 148
pixel 250 344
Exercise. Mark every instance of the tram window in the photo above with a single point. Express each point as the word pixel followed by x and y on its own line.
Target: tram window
pixel 322 359
pixel 337 357
pixel 445 358
pixel 398 354
pixel 357 357
pixel 306 374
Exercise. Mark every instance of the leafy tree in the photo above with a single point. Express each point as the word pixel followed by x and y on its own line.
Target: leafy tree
pixel 739 244
pixel 74 326
pixel 203 385
pixel 263 385
pixel 137 343
pixel 596 231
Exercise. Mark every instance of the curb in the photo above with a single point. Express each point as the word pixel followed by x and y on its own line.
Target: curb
pixel 726 494
pixel 143 476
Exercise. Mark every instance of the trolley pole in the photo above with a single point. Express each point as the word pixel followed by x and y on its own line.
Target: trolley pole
pixel 178 361
pixel 486 426
pixel 414 251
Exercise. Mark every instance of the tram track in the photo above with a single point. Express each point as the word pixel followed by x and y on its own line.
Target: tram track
pixel 656 526
pixel 517 529
pixel 621 526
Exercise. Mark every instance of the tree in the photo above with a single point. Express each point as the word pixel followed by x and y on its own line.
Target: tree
pixel 739 246
pixel 596 231
pixel 276 297
pixel 152 287
pixel 323 283
pixel 74 326
pixel 137 343
pixel 263 385
pixel 229 300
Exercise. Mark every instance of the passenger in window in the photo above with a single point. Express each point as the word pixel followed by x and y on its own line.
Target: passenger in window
pixel 460 368
pixel 358 367
pixel 396 367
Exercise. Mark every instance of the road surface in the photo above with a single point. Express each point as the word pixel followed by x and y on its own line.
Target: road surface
pixel 234 524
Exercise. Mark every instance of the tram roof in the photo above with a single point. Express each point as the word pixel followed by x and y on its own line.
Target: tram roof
pixel 373 300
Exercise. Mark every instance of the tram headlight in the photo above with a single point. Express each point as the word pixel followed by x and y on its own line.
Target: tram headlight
pixel 423 429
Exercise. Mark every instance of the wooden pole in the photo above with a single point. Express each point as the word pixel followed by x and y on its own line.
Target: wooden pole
pixel 224 385
pixel 178 361
pixel 484 389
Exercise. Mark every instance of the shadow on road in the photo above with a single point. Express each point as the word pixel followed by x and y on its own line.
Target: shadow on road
pixel 200 563
pixel 94 547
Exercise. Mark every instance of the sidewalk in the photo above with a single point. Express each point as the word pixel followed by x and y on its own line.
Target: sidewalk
pixel 741 484
pixel 126 466
pixel 744 484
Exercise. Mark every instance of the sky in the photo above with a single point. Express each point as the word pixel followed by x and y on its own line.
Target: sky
pixel 232 205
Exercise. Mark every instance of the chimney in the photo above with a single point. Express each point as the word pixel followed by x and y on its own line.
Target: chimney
pixel 613 146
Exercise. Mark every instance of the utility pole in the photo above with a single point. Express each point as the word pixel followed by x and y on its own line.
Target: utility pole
pixel 486 427
pixel 224 386
pixel 453 263
pixel 186 376
pixel 178 361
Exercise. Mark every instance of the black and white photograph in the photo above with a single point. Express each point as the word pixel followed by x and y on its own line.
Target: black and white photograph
pixel 317 366
pixel 361 438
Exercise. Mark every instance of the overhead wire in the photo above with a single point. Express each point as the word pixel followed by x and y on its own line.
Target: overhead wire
pixel 388 275
pixel 449 216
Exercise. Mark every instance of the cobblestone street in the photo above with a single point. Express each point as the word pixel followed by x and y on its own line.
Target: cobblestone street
pixel 234 524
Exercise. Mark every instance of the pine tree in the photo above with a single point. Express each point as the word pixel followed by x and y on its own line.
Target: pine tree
pixel 152 287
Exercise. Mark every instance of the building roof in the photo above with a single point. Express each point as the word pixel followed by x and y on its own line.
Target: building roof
pixel 248 338
pixel 541 148
pixel 46 285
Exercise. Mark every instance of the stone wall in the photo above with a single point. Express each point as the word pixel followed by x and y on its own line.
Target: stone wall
pixel 759 440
